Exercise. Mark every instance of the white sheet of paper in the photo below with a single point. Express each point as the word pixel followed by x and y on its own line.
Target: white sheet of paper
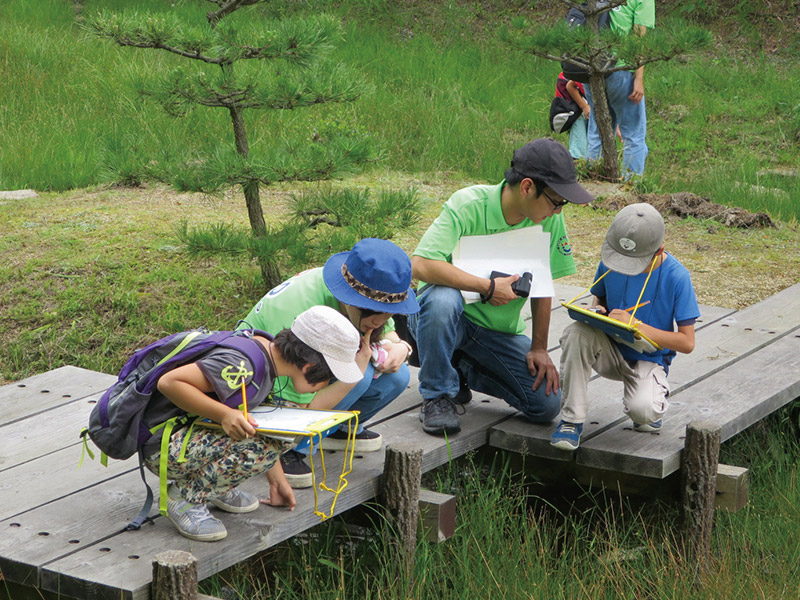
pixel 513 252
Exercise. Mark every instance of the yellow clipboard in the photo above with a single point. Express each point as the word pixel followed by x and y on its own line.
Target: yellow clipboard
pixel 616 330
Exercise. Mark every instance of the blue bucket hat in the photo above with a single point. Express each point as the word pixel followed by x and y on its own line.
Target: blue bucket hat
pixel 375 275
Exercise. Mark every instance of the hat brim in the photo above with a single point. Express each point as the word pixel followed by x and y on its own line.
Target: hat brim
pixel 341 290
pixel 572 192
pixel 627 265
pixel 346 372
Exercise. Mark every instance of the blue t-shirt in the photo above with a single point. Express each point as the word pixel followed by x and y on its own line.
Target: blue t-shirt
pixel 671 295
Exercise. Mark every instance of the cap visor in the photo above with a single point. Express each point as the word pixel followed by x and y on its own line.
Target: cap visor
pixel 573 192
pixel 627 265
pixel 347 372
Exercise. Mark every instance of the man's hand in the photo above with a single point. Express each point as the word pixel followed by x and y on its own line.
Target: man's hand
pixel 503 294
pixel 540 365
pixel 638 87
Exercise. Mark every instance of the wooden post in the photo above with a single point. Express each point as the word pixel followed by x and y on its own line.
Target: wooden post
pixel 402 474
pixel 174 576
pixel 699 477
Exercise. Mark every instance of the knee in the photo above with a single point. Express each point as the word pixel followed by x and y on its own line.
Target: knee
pixel 396 383
pixel 544 408
pixel 440 302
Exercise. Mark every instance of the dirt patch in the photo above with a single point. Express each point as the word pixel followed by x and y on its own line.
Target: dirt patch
pixel 686 204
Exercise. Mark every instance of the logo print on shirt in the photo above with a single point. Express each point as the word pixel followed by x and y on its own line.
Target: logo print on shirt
pixel 564 246
pixel 235 376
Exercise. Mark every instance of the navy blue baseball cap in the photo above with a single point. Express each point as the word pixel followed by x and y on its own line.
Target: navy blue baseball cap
pixel 549 161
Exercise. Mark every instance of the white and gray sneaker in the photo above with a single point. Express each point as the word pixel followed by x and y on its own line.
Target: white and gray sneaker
pixel 236 501
pixel 194 521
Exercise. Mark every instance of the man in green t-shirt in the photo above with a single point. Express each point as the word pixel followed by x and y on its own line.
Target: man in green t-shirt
pixel 482 346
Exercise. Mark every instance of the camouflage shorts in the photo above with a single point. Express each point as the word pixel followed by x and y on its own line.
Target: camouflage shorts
pixel 214 463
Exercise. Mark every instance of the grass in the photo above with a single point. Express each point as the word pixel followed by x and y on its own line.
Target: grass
pixel 446 99
pixel 519 539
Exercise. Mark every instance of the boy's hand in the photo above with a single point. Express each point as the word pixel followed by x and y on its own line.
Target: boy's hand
pixel 236 426
pixel 622 316
pixel 280 494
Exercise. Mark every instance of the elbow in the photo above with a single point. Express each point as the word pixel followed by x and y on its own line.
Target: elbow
pixel 417 267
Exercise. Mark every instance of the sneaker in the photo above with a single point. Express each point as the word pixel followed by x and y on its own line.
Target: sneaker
pixel 366 441
pixel 653 427
pixel 464 394
pixel 440 415
pixel 194 521
pixel 297 472
pixel 567 436
pixel 236 501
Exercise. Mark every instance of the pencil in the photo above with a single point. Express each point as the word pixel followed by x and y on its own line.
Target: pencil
pixel 634 307
pixel 244 399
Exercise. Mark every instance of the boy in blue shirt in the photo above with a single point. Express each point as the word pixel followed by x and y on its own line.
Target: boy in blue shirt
pixel 632 254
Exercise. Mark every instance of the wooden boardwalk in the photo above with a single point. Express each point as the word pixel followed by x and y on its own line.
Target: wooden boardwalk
pixel 60 524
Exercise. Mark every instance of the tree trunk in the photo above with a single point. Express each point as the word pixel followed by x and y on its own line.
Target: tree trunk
pixel 402 472
pixel 252 198
pixel 602 116
pixel 174 576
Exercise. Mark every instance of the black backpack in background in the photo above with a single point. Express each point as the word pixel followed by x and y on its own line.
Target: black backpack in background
pixel 576 18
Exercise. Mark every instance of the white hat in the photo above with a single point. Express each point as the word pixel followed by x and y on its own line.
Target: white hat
pixel 330 333
pixel 634 237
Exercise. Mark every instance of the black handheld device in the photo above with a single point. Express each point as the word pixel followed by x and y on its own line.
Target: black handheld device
pixel 521 287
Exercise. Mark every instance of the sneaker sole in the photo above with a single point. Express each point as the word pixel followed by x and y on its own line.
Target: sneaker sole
pixel 299 482
pixel 372 445
pixel 208 537
pixel 646 429
pixel 235 509
pixel 564 445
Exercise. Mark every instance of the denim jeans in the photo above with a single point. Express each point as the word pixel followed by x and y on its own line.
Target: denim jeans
pixel 493 363
pixel 578 141
pixel 631 118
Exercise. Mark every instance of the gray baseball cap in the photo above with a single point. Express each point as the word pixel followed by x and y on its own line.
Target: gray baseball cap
pixel 549 161
pixel 636 233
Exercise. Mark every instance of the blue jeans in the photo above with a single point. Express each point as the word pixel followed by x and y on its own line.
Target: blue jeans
pixel 631 118
pixel 493 363
pixel 371 395
pixel 578 141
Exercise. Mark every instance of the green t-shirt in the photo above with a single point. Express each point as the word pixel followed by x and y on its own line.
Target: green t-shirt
pixel 633 12
pixel 279 307
pixel 476 210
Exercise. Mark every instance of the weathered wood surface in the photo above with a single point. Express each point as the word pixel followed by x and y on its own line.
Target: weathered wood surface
pixel 84 553
pixel 699 479
pixel 722 343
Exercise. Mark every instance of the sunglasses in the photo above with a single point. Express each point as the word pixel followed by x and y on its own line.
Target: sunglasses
pixel 556 204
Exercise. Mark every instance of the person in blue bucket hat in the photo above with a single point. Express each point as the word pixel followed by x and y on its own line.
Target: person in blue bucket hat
pixel 368 284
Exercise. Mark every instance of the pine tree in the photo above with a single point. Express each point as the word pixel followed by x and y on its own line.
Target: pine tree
pixel 246 63
pixel 590 48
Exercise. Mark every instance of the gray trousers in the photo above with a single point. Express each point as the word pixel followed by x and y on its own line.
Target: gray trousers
pixel 585 349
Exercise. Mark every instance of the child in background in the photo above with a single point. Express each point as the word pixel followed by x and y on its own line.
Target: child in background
pixel 632 251
pixel 578 138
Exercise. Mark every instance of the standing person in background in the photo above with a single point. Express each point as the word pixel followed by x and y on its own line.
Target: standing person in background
pixel 625 91
pixel 572 90
pixel 367 284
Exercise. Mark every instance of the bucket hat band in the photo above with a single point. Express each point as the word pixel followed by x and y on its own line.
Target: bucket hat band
pixel 366 291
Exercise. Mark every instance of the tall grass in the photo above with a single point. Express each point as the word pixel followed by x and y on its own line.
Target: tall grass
pixel 518 539
pixel 446 98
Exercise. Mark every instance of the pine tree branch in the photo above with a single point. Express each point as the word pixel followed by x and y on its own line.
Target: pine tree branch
pixel 227 8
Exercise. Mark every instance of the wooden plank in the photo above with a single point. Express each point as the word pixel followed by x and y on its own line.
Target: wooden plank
pixel 732 487
pixel 735 398
pixel 719 343
pixel 91 568
pixel 438 515
pixel 39 393
pixel 42 480
pixel 42 535
pixel 37 435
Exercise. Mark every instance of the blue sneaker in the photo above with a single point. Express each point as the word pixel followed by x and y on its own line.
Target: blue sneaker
pixel 653 427
pixel 567 436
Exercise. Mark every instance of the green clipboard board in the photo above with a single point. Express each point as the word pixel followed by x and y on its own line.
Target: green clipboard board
pixel 617 331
